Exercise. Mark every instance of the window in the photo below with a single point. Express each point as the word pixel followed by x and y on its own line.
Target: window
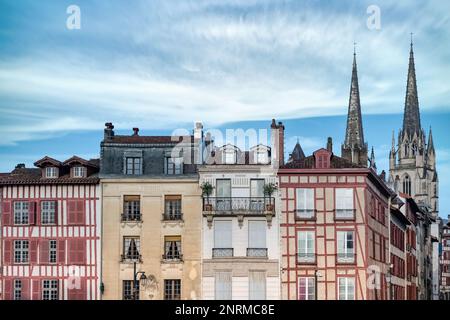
pixel 51 172
pixel 127 290
pixel 21 251
pixel 172 247
pixel 132 208
pixel 257 246
pixel 407 185
pixel 50 290
pixel 346 250
pixel 79 172
pixel 133 166
pixel 261 157
pixel 346 288
pixel 305 203
pixel 306 288
pixel 52 251
pixel 306 247
pixel 229 156
pixel 257 285
pixel 17 289
pixel 223 246
pixel 223 285
pixel 172 289
pixel 174 165
pixel 257 194
pixel 77 251
pixel 172 208
pixel 21 212
pixel 223 194
pixel 48 212
pixel 344 204
pixel 131 248
pixel 76 212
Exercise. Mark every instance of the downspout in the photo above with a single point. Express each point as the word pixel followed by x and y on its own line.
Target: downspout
pixel 389 246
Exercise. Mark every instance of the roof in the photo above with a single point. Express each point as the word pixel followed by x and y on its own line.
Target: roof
pixel 136 139
pixel 75 159
pixel 309 163
pixel 22 176
pixel 47 159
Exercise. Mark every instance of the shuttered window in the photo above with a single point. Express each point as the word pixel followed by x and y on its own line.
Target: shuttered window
pixel 48 212
pixel 76 212
pixel 223 285
pixel 257 234
pixel 222 234
pixel 257 285
pixel 77 251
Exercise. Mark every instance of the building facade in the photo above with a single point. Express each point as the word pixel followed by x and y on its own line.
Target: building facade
pixel 51 229
pixel 240 253
pixel 152 216
pixel 445 262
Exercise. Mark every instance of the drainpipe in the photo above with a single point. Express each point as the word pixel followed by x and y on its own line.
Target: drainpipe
pixel 389 246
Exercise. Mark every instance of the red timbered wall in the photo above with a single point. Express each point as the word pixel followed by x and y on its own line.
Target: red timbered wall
pixel 77 232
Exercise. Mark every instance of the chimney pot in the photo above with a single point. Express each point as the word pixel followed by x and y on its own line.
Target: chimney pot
pixel 135 131
pixel 330 144
pixel 20 166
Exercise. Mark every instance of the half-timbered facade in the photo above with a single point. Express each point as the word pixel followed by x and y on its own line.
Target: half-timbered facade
pixel 50 233
pixel 445 262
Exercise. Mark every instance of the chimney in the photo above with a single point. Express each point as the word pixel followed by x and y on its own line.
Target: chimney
pixel 109 132
pixel 198 131
pixel 20 166
pixel 135 131
pixel 277 143
pixel 330 144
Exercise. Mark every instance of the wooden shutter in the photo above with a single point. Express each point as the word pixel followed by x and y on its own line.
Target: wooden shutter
pixel 81 251
pixel 81 216
pixel 8 252
pixel 71 212
pixel 6 213
pixel 44 251
pixel 61 251
pixel 223 234
pixel 25 289
pixel 8 289
pixel 32 213
pixel 56 212
pixel 36 290
pixel 33 251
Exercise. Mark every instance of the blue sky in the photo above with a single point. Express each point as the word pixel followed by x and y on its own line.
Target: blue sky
pixel 161 65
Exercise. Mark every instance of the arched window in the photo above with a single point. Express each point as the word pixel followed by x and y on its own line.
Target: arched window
pixel 407 185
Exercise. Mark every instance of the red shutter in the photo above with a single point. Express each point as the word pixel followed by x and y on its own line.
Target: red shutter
pixel 71 212
pixel 32 213
pixel 81 251
pixel 25 289
pixel 6 213
pixel 61 252
pixel 44 257
pixel 56 212
pixel 81 212
pixel 33 251
pixel 8 252
pixel 80 293
pixel 36 290
pixel 8 289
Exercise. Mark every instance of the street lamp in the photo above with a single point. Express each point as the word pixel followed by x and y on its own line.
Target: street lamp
pixel 317 275
pixel 142 278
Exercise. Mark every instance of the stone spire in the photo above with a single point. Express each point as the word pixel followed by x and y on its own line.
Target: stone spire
pixel 354 147
pixel 411 117
pixel 372 162
pixel 430 145
pixel 297 153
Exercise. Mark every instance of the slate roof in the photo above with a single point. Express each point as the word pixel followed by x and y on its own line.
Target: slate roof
pixel 136 139
pixel 309 163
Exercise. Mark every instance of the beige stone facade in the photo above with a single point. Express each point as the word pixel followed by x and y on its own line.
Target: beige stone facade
pixel 152 230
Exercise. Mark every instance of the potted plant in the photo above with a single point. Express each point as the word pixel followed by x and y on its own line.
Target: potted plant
pixel 269 189
pixel 207 190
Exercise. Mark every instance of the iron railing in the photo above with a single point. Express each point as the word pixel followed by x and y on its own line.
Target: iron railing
pixel 131 258
pixel 239 205
pixel 257 252
pixel 172 257
pixel 131 217
pixel 172 216
pixel 222 252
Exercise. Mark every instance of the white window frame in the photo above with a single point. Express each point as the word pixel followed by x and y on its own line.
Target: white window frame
pixel 223 290
pixel 174 165
pixel 346 283
pixel 18 286
pixel 229 156
pixel 51 172
pixel 21 212
pixel 344 202
pixel 310 287
pixel 262 157
pixel 348 254
pixel 133 166
pixel 305 206
pixel 21 251
pixel 223 237
pixel 257 285
pixel 50 290
pixel 126 247
pixel 48 212
pixel 52 251
pixel 79 172
pixel 307 254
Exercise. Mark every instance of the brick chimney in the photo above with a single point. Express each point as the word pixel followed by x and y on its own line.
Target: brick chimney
pixel 330 144
pixel 109 131
pixel 135 131
pixel 277 143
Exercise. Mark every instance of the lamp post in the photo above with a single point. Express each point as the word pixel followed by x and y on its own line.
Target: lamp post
pixel 143 278
pixel 317 275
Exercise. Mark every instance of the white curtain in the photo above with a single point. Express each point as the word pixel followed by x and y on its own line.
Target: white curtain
pixel 257 188
pixel 257 234
pixel 222 234
pixel 257 285
pixel 305 199
pixel 344 199
pixel 223 188
pixel 223 285
pixel 306 243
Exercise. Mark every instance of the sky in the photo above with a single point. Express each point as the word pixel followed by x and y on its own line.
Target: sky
pixel 161 65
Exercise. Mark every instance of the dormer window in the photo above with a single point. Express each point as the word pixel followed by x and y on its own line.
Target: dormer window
pixel 79 172
pixel 230 157
pixel 51 172
pixel 261 157
pixel 133 166
pixel 174 165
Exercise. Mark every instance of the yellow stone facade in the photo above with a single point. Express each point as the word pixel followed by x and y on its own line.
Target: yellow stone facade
pixel 152 232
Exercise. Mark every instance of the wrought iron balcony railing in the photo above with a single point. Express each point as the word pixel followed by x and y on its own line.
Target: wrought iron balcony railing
pixel 345 214
pixel 172 257
pixel 306 257
pixel 222 252
pixel 347 257
pixel 257 252
pixel 131 258
pixel 131 217
pixel 239 205
pixel 172 216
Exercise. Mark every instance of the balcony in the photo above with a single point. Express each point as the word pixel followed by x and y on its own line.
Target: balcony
pixel 346 258
pixel 239 207
pixel 306 258
pixel 305 214
pixel 131 258
pixel 344 214
pixel 172 257
pixel 257 252
pixel 172 216
pixel 222 252
pixel 130 217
